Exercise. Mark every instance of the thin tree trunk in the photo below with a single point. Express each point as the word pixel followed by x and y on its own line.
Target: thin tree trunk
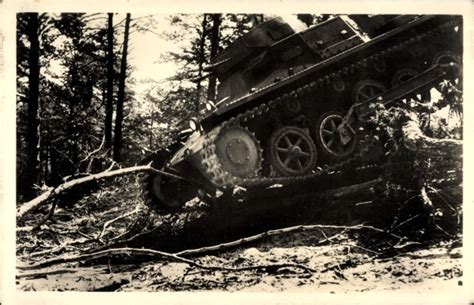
pixel 151 130
pixel 215 37
pixel 121 94
pixel 110 85
pixel 202 57
pixel 30 175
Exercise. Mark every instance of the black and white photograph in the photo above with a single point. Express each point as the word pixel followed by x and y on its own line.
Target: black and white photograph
pixel 229 152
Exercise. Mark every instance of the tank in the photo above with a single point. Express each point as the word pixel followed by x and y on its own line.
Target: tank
pixel 285 95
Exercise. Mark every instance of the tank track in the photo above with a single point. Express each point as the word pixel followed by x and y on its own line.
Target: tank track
pixel 224 180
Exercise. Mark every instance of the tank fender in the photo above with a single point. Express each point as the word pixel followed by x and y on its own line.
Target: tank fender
pixel 193 145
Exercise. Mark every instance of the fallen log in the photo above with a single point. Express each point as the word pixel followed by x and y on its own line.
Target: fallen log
pixel 417 142
pixel 37 202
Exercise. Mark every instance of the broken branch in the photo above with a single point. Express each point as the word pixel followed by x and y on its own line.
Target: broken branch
pixel 157 254
pixel 108 223
pixel 269 233
pixel 52 192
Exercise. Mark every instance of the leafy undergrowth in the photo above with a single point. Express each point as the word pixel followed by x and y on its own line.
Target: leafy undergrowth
pixel 332 259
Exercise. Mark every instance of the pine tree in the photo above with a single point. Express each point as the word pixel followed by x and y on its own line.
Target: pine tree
pixel 121 94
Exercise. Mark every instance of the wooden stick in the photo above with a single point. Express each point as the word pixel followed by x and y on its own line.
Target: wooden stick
pixel 252 238
pixel 37 274
pixel 157 254
pixel 108 223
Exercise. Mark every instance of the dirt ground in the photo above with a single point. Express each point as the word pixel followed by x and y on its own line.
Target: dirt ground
pixel 339 268
pixel 344 264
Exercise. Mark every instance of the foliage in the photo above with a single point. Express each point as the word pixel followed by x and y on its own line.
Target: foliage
pixel 72 61
pixel 73 74
pixel 425 189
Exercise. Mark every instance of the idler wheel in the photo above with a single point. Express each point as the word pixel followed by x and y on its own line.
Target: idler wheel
pixel 292 151
pixel 334 142
pixel 239 152
pixel 366 89
pixel 450 58
pixel 162 193
pixel 168 191
pixel 447 58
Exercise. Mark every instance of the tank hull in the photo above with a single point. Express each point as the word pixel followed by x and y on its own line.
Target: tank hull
pixel 292 125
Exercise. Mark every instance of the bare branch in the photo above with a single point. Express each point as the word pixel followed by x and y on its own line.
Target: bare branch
pixel 37 274
pixel 108 223
pixel 158 255
pixel 269 233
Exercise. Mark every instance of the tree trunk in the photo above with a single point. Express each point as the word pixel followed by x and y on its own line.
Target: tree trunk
pixel 417 142
pixel 202 42
pixel 110 85
pixel 30 174
pixel 121 94
pixel 214 39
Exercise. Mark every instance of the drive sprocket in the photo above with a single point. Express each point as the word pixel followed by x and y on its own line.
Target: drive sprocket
pixel 238 151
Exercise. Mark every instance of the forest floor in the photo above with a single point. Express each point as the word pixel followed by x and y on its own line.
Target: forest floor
pixel 436 269
pixel 338 264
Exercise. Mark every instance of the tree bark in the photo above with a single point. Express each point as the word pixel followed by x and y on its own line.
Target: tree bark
pixel 121 95
pixel 202 42
pixel 30 174
pixel 416 141
pixel 110 84
pixel 214 39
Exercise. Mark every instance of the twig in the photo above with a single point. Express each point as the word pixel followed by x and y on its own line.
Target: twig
pixel 50 214
pixel 443 230
pixel 437 192
pixel 87 236
pixel 339 273
pixel 123 242
pixel 405 222
pixel 362 248
pixel 37 274
pixel 108 223
pixel 49 251
pixel 94 151
pixel 111 166
pixel 332 237
pixel 24 229
pixel 158 254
